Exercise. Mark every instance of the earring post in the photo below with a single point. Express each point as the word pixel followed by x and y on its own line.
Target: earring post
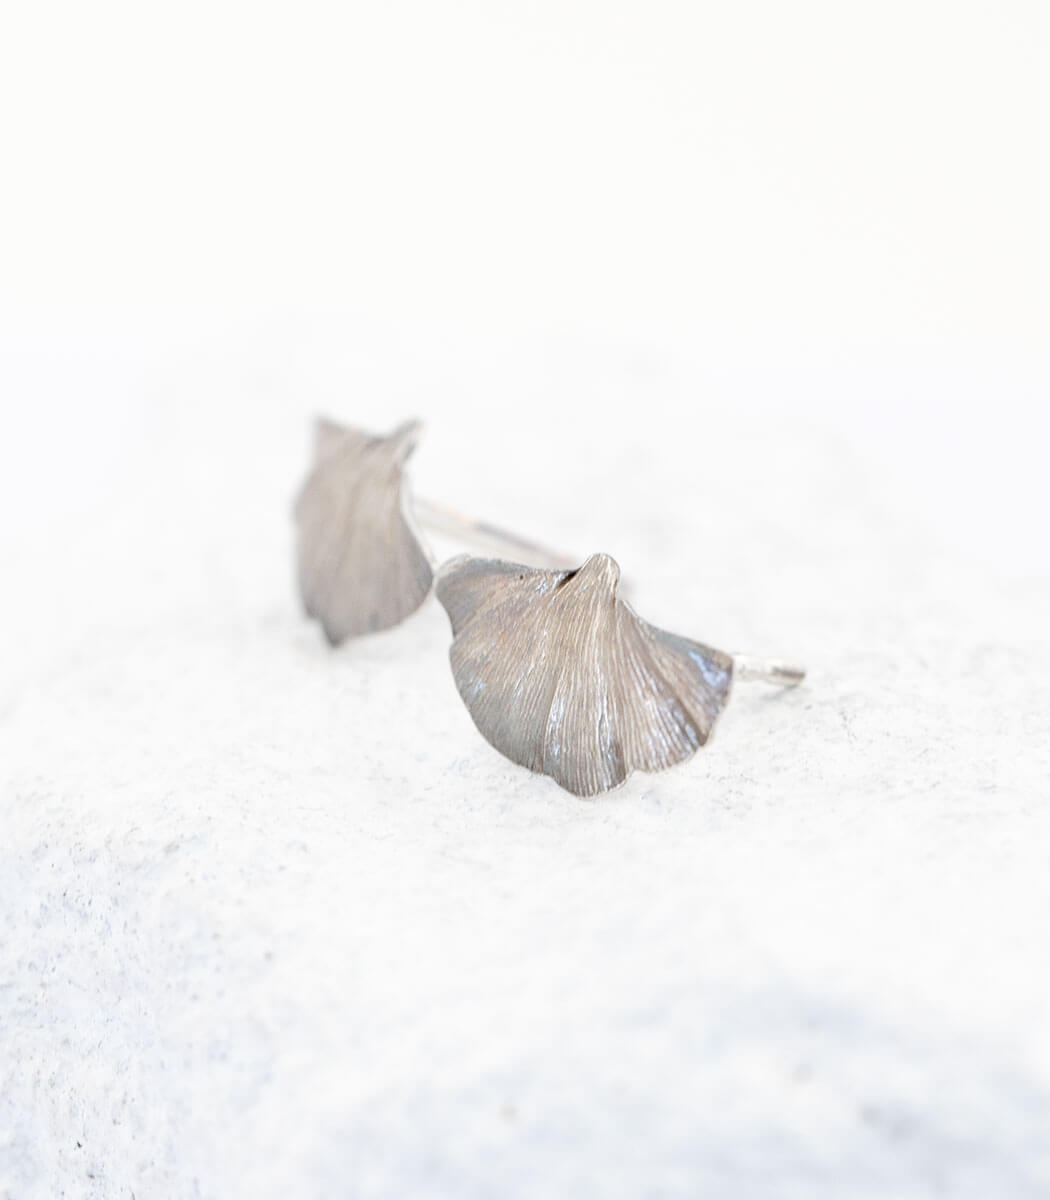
pixel 767 670
pixel 440 519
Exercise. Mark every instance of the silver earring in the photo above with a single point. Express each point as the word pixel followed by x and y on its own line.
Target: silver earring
pixel 363 565
pixel 562 676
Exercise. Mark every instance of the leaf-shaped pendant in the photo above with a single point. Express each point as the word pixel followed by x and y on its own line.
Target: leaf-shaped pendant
pixel 362 564
pixel 563 677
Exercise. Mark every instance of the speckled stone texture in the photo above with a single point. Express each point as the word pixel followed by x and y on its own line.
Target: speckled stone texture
pixel 277 922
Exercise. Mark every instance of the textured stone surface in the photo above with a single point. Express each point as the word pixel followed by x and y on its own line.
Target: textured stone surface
pixel 277 922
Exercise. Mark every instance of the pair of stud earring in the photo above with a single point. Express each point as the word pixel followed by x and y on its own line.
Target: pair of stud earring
pixel 558 673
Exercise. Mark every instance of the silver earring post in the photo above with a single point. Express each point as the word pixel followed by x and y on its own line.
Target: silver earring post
pixel 439 518
pixel 748 669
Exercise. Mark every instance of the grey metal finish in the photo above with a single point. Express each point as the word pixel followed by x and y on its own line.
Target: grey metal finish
pixel 564 678
pixel 362 564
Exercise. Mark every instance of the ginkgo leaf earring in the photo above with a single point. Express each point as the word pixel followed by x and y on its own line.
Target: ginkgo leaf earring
pixel 562 676
pixel 362 563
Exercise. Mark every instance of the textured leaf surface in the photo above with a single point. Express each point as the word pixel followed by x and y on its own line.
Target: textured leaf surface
pixel 362 567
pixel 563 677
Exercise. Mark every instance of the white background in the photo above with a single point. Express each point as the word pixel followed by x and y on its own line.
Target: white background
pixel 856 191
pixel 753 296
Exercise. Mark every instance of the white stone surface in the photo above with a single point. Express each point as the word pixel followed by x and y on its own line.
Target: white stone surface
pixel 277 922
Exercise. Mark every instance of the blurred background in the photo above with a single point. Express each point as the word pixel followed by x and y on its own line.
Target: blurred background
pixel 843 206
pixel 753 296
